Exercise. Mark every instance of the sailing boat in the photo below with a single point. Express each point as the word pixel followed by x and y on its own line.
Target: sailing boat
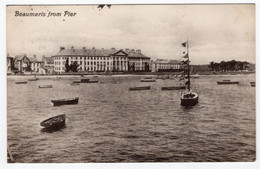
pixel 188 98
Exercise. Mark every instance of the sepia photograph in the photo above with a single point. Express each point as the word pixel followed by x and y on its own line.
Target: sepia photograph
pixel 130 83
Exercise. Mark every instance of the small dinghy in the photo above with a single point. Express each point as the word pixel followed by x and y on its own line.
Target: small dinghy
pixel 60 102
pixel 84 80
pixel 148 80
pixel 189 99
pixel 76 81
pixel 140 88
pixel 21 82
pixel 227 82
pixel 174 87
pixel 45 86
pixel 54 122
pixel 33 79
pixel 92 81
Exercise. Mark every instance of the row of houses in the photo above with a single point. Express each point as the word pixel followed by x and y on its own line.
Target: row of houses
pixel 22 63
pixel 92 60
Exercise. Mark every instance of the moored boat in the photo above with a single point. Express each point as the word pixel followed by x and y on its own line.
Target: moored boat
pixel 92 81
pixel 54 122
pixel 84 80
pixel 21 82
pixel 45 86
pixel 76 81
pixel 174 87
pixel 227 82
pixel 140 88
pixel 252 84
pixel 59 102
pixel 188 98
pixel 33 79
pixel 109 82
pixel 148 80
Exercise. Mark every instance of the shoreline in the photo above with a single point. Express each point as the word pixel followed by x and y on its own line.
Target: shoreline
pixel 68 76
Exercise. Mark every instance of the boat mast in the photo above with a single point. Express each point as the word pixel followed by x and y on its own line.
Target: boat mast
pixel 188 66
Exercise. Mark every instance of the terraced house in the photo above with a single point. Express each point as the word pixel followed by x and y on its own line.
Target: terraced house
pixel 100 60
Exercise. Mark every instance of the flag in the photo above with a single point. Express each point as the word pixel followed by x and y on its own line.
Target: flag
pixel 186 56
pixel 184 61
pixel 184 44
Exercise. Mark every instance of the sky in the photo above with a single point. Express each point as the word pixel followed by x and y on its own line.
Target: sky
pixel 214 32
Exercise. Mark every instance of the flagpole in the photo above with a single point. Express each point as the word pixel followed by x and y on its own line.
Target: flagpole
pixel 188 66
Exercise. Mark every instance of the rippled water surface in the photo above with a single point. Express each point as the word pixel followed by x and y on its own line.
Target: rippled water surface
pixel 112 124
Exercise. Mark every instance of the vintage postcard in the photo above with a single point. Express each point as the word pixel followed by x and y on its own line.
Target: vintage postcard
pixel 117 83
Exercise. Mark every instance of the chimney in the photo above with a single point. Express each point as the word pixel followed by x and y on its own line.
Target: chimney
pixel 72 48
pixel 138 51
pixel 84 49
pixel 127 50
pixel 34 56
pixel 61 48
pixel 113 49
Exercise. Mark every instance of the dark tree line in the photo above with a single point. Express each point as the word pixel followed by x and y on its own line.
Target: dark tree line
pixel 71 67
pixel 232 65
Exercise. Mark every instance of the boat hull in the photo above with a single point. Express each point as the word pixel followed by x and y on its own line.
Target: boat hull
pixel 92 81
pixel 34 79
pixel 190 101
pixel 148 80
pixel 84 80
pixel 252 84
pixel 65 101
pixel 174 88
pixel 227 82
pixel 54 122
pixel 140 88
pixel 45 86
pixel 20 82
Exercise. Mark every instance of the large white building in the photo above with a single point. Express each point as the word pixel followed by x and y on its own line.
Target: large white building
pixel 165 65
pixel 100 59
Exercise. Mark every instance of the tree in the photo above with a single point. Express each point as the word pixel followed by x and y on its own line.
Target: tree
pixel 74 66
pixel 67 66
pixel 212 66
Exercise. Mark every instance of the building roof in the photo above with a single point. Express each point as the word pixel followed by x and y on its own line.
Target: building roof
pixel 19 57
pixel 98 52
pixel 49 60
pixel 32 59
pixel 166 61
pixel 84 52
pixel 135 54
